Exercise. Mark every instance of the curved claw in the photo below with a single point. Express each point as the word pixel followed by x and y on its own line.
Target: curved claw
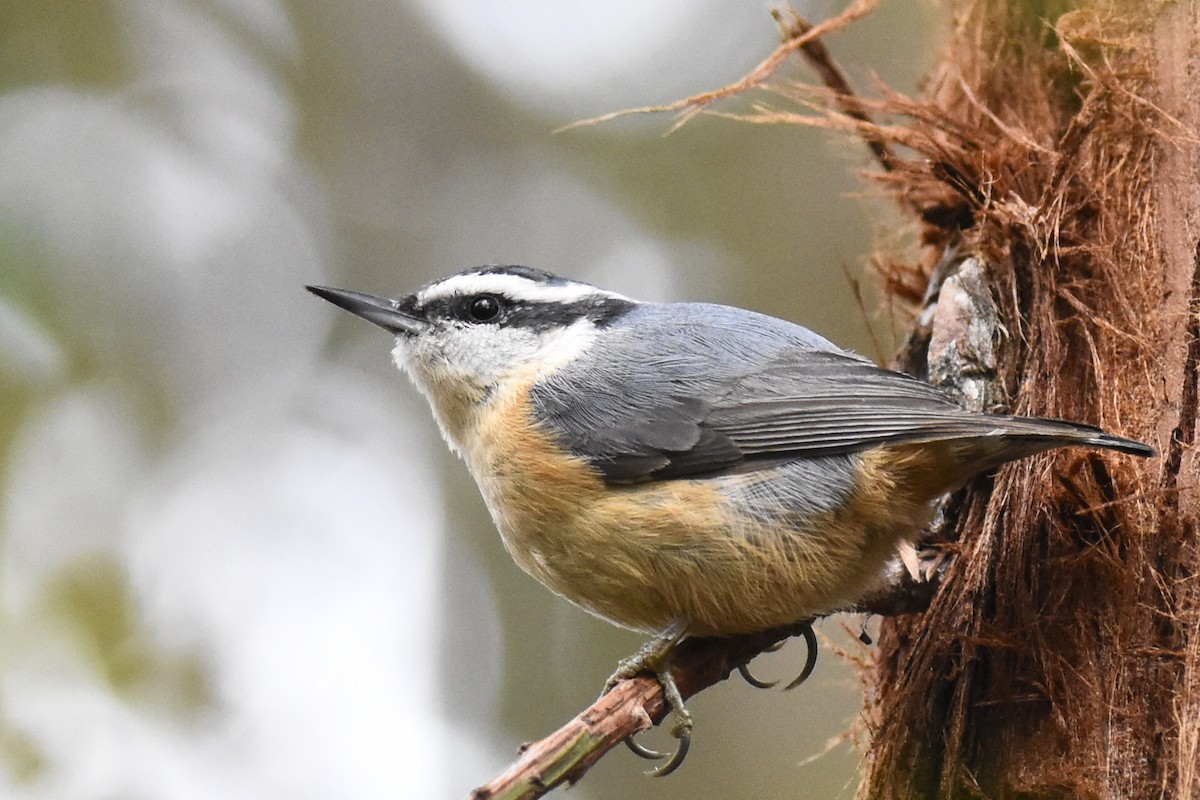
pixel 641 751
pixel 810 641
pixel 683 734
pixel 757 683
pixel 672 763
pixel 681 750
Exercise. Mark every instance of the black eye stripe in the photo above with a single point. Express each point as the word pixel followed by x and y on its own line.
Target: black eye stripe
pixel 538 316
pixel 602 310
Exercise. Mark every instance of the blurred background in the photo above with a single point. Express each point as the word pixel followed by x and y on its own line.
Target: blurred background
pixel 236 561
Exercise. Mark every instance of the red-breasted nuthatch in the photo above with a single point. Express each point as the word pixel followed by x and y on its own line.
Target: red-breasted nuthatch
pixel 686 468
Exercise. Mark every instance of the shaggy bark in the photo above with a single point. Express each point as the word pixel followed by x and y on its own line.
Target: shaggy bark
pixel 1061 658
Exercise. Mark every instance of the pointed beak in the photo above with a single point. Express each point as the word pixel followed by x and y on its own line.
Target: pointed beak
pixel 385 313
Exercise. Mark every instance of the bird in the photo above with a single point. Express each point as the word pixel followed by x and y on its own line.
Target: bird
pixel 686 469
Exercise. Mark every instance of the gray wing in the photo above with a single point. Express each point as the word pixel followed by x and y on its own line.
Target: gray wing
pixel 692 389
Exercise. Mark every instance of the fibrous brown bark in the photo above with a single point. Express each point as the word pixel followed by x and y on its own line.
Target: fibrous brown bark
pixel 1061 657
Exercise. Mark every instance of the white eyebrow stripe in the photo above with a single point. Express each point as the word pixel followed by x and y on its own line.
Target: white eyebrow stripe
pixel 518 288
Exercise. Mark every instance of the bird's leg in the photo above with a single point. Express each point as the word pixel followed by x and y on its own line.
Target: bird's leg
pixel 655 657
pixel 649 656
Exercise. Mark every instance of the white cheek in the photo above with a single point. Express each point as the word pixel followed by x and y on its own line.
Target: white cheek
pixel 565 346
pixel 471 358
pixel 482 355
pixel 402 353
pixel 461 370
pixel 433 377
pixel 424 364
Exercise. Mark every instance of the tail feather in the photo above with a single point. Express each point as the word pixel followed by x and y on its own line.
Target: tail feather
pixel 1121 444
pixel 1076 433
pixel 990 441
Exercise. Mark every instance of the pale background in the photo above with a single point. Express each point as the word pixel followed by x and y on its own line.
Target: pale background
pixel 235 559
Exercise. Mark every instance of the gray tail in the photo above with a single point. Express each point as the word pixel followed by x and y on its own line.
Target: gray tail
pixel 1121 444
pixel 1077 433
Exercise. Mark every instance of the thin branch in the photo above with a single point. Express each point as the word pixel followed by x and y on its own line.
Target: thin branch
pixel 633 705
pixel 794 39
pixel 799 35
pixel 814 51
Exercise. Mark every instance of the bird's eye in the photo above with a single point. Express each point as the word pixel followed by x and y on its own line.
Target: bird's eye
pixel 484 308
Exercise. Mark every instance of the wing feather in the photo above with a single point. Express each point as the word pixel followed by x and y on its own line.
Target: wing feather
pixel 730 394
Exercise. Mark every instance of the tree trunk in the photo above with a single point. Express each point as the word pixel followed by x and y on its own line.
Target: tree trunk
pixel 1061 657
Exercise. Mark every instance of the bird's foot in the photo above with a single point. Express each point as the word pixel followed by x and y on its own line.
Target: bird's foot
pixel 655 657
